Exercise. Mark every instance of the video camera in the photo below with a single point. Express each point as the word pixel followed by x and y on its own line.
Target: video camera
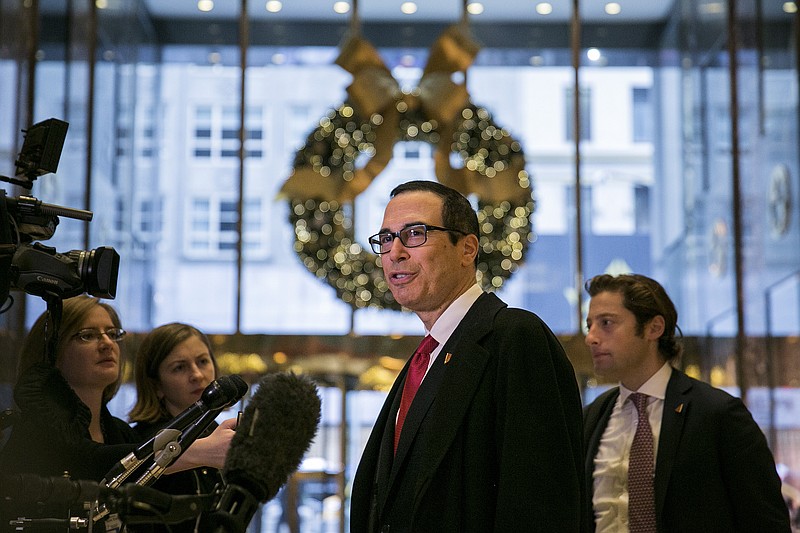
pixel 31 266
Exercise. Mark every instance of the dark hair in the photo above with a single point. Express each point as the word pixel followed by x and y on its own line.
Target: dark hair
pixel 645 298
pixel 155 347
pixel 457 212
pixel 74 312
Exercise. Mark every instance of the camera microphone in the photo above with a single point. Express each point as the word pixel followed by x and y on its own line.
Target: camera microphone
pixel 276 430
pixel 50 491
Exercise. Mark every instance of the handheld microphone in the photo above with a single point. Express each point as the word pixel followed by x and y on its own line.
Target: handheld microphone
pixel 219 394
pixel 276 430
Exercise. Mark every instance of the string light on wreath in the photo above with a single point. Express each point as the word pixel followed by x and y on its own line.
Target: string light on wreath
pixel 505 235
pixel 324 242
pixel 337 143
pixel 480 143
pixel 353 143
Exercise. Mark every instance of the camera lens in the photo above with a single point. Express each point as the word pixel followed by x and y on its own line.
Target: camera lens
pixel 98 270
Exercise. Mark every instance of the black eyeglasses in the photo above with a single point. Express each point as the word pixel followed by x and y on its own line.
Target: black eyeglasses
pixel 410 236
pixel 94 335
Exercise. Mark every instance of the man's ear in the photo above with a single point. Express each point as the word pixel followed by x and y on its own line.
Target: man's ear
pixel 470 248
pixel 654 328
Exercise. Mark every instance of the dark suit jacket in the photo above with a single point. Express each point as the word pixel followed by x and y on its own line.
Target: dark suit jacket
pixel 714 470
pixel 492 441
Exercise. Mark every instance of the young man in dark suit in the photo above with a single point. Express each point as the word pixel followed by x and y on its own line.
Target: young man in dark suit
pixel 709 468
pixel 492 440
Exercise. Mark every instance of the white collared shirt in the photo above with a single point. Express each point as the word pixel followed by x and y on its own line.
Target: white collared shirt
pixel 610 475
pixel 449 320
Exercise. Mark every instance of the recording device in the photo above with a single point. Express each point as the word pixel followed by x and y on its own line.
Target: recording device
pixel 57 491
pixel 218 395
pixel 31 266
pixel 29 493
pixel 276 430
pixel 134 503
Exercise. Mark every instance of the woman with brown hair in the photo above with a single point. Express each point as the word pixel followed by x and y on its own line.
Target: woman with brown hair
pixel 174 364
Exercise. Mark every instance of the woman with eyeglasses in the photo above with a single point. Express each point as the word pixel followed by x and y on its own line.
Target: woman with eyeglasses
pixel 65 427
pixel 174 364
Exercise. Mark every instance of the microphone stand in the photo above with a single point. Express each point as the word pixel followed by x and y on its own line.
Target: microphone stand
pixel 167 456
pixel 170 452
pixel 161 441
pixel 176 447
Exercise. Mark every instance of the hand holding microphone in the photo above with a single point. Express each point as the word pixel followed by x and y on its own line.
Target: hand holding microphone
pixel 219 394
pixel 229 390
pixel 272 437
pixel 212 450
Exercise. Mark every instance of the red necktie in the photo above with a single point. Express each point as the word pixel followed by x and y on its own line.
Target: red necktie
pixel 419 365
pixel 641 494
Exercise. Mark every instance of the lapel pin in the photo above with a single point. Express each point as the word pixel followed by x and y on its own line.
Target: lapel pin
pixel 447 357
pixel 679 409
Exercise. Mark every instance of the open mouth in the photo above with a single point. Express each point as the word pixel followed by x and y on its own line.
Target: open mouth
pixel 400 276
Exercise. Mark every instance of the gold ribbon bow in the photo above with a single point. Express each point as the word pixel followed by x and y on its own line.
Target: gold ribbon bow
pixel 369 124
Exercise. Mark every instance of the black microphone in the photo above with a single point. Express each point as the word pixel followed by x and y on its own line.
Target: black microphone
pixel 275 432
pixel 21 494
pixel 60 492
pixel 143 505
pixel 219 394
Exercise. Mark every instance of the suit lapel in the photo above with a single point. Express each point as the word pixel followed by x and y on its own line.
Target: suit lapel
pixel 444 396
pixel 676 406
pixel 384 447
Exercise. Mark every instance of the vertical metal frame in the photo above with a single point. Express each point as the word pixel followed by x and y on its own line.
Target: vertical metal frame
pixel 733 71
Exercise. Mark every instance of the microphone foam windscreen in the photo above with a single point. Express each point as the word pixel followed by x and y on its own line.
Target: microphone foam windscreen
pixel 275 432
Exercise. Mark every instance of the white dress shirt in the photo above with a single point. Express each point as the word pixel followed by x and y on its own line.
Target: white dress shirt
pixel 610 475
pixel 449 320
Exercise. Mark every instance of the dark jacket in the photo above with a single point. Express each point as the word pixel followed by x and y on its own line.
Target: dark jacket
pixel 492 441
pixel 714 470
pixel 50 438
pixel 51 435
